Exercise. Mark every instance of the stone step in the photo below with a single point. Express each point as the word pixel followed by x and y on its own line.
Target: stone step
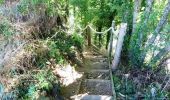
pixel 98 59
pixel 72 89
pixel 96 87
pixel 99 65
pixel 98 74
pixel 92 97
pixel 95 57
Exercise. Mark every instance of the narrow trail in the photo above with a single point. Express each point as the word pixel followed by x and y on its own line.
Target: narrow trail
pixel 96 81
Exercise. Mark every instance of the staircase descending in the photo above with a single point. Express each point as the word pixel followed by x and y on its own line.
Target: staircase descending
pixel 96 83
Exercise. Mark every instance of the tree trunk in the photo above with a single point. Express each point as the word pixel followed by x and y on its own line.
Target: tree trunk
pixel 146 16
pixel 101 21
pixel 137 5
pixel 89 36
pixel 111 19
pixel 119 45
pixel 139 33
pixel 95 39
pixel 159 27
pixel 67 7
pixel 100 35
pixel 107 39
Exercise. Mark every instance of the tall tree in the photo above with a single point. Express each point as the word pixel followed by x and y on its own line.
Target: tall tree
pixel 100 21
pixel 137 6
pixel 146 18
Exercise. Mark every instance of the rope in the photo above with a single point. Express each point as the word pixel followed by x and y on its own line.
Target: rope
pixel 110 28
pixel 96 32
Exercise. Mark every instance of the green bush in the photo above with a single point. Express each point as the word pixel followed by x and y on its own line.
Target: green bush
pixel 78 41
pixel 62 45
pixel 64 42
pixel 44 81
pixel 27 6
pixel 5 28
pixel 54 52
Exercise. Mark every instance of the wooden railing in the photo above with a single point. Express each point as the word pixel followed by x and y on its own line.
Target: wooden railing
pixel 113 65
pixel 120 38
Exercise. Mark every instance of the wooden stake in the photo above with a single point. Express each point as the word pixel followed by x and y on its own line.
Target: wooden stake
pixel 111 41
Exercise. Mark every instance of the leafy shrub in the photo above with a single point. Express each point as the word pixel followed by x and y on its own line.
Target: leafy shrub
pixel 78 41
pixel 44 81
pixel 5 28
pixel 62 45
pixel 54 52
pixel 26 6
pixel 63 42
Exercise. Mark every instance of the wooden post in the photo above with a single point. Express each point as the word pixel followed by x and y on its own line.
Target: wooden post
pixel 111 41
pixel 119 45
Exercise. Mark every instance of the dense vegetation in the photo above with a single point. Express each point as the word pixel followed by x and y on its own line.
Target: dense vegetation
pixel 42 34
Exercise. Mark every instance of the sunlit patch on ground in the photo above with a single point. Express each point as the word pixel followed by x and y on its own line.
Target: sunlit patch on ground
pixel 67 75
pixel 85 96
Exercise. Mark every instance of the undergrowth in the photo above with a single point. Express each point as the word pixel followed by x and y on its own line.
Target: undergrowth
pixel 137 85
pixel 40 85
pixel 58 48
pixel 34 73
pixel 6 28
pixel 39 81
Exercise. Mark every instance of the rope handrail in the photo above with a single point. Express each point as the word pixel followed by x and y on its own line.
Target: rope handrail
pixel 96 32
pixel 110 28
